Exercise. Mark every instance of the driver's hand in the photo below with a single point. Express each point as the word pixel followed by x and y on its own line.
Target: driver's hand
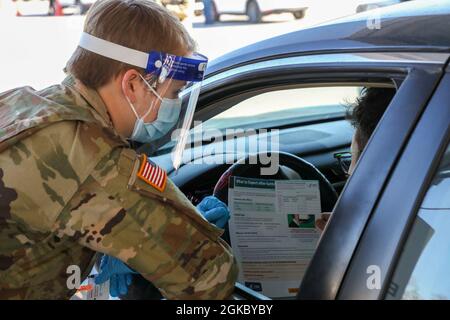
pixel 321 223
pixel 214 210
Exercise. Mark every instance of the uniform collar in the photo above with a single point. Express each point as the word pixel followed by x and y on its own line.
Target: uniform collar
pixel 93 98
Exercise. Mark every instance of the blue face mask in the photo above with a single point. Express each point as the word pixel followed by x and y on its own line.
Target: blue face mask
pixel 168 115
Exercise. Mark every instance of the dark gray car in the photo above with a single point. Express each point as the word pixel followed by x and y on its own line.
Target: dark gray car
pixel 388 236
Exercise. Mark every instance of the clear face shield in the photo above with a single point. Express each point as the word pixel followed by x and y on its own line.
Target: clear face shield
pixel 169 114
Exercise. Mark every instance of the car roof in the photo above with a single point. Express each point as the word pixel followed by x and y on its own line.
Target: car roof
pixel 420 25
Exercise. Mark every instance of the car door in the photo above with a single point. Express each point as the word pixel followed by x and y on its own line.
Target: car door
pixel 357 254
pixel 418 74
pixel 407 238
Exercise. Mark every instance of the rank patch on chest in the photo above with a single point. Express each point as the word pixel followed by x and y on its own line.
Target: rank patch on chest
pixel 152 174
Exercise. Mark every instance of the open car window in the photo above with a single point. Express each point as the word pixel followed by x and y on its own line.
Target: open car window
pixel 277 109
pixel 285 107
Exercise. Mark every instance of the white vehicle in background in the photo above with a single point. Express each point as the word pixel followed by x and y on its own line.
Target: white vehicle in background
pixel 374 4
pixel 78 6
pixel 256 9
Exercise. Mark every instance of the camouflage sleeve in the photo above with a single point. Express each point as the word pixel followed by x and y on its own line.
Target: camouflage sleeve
pixel 159 234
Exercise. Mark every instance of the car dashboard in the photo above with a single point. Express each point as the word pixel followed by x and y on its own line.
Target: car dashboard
pixel 315 143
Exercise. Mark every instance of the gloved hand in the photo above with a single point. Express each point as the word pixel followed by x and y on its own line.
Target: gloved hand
pixel 119 274
pixel 214 210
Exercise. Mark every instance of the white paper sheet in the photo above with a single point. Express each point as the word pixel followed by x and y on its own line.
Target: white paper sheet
pixel 273 232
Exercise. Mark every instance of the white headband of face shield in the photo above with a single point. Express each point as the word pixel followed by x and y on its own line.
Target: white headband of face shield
pixel 114 51
pixel 117 52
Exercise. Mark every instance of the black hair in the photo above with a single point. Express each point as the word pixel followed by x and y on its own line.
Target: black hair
pixel 367 111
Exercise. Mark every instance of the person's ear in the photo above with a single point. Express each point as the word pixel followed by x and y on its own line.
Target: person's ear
pixel 131 84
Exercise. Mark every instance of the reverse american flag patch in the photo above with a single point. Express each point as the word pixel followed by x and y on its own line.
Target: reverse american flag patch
pixel 152 174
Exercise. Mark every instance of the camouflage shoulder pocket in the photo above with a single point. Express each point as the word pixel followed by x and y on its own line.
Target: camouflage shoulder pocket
pixel 170 195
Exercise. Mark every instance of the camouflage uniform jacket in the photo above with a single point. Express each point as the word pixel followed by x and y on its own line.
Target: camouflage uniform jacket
pixel 68 189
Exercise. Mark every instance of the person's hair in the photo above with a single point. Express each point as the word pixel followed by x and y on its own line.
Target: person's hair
pixel 367 111
pixel 138 24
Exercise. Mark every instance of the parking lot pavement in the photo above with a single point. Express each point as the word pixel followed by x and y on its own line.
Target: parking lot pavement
pixel 36 48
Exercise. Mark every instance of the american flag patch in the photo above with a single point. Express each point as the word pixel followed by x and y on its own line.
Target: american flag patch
pixel 152 174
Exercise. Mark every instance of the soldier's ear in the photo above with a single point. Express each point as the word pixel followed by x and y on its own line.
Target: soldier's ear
pixel 131 84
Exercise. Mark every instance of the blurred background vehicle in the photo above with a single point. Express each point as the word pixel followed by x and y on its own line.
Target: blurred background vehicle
pixel 198 8
pixel 50 7
pixel 78 6
pixel 37 46
pixel 178 7
pixel 213 10
pixel 374 4
pixel 29 7
pixel 254 9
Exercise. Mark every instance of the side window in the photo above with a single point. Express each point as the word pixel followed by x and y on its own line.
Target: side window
pixel 285 107
pixel 279 108
pixel 422 271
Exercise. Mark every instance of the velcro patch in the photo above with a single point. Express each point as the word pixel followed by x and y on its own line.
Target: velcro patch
pixel 152 174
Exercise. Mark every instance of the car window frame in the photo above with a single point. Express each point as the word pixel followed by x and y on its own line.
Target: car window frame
pixel 241 83
pixel 243 80
pixel 418 71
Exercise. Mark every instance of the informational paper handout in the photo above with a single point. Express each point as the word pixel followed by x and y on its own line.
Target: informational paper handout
pixel 273 232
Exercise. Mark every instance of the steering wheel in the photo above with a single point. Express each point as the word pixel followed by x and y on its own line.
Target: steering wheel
pixel 290 167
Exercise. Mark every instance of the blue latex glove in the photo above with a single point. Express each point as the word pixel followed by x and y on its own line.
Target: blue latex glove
pixel 119 274
pixel 214 210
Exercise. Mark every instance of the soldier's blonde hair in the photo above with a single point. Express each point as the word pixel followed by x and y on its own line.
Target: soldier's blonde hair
pixel 138 24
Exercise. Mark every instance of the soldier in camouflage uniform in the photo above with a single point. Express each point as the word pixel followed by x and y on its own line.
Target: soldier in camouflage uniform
pixel 69 189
